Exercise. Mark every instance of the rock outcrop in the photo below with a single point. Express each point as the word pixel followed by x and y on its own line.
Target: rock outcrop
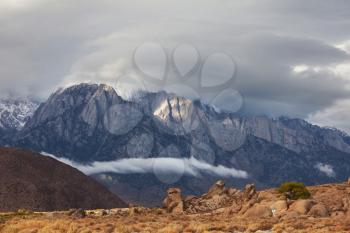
pixel 217 189
pixel 217 197
pixel 258 211
pixel 301 206
pixel 249 192
pixel 318 211
pixel 325 201
pixel 173 203
pixel 279 207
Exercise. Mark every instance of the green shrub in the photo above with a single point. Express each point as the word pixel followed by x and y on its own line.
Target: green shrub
pixel 294 190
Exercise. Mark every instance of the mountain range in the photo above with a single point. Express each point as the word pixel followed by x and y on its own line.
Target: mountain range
pixel 89 123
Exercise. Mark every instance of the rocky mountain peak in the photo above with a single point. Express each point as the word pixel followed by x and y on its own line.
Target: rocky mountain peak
pixel 87 99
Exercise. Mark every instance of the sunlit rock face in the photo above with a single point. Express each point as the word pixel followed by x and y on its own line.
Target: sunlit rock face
pixel 175 114
pixel 90 122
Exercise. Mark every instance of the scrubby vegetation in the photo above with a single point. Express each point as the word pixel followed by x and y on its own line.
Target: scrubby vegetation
pixel 294 190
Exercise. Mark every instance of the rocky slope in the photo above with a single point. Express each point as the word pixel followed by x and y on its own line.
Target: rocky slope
pixel 36 182
pixel 90 122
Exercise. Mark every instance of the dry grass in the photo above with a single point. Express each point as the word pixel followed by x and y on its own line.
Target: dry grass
pixel 151 221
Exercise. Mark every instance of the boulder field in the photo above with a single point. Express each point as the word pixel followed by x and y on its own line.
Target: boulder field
pixel 326 201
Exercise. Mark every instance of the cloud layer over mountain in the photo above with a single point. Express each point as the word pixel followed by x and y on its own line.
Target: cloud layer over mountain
pixel 292 56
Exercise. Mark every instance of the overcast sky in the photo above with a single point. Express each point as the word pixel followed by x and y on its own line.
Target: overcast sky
pixel 292 57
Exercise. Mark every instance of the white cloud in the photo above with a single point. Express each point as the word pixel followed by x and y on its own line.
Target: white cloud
pixel 335 116
pixel 107 73
pixel 345 46
pixel 187 166
pixel 300 68
pixel 326 169
pixel 342 70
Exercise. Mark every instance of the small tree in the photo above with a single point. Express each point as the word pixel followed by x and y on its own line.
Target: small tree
pixel 294 190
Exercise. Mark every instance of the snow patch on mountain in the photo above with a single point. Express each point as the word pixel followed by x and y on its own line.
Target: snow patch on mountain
pixel 14 113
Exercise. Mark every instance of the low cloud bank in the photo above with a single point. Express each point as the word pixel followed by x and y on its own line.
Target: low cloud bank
pixel 326 169
pixel 187 166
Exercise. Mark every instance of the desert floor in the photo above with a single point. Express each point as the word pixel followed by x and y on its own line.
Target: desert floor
pixel 156 220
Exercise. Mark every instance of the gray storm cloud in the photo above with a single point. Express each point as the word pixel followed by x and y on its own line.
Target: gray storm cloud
pixel 188 166
pixel 45 44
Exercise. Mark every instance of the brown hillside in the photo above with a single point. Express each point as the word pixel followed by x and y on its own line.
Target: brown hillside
pixel 31 181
